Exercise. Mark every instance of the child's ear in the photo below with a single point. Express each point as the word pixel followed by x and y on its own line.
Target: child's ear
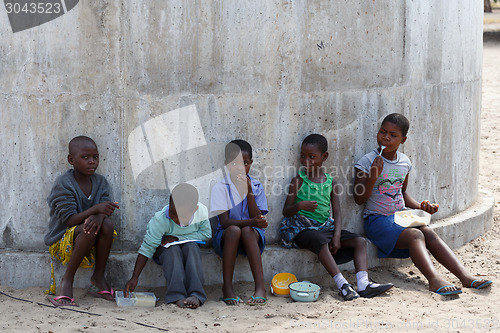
pixel 404 139
pixel 70 159
pixel 325 155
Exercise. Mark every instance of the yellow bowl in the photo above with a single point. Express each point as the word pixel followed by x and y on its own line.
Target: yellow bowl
pixel 280 282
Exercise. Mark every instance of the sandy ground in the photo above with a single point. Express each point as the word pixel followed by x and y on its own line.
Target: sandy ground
pixel 407 307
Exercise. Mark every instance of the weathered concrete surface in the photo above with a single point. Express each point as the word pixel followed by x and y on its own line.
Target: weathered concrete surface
pixel 457 230
pixel 270 72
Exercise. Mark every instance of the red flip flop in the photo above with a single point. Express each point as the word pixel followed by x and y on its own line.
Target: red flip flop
pixel 54 301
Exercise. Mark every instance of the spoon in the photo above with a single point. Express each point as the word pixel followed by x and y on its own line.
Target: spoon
pixel 381 149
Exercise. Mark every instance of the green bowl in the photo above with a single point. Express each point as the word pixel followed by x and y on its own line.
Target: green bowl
pixel 304 291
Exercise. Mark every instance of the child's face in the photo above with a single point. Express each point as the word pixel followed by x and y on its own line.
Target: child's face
pixel 181 216
pixel 390 136
pixel 311 157
pixel 240 165
pixel 84 159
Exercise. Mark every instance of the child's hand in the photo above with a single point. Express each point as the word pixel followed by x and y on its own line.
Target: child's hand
pixel 377 167
pixel 260 222
pixel 334 245
pixel 106 208
pixel 309 206
pixel 168 239
pixel 92 224
pixel 428 207
pixel 130 286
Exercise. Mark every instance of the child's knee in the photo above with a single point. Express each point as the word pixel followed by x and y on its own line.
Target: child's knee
pixel 107 228
pixel 247 231
pixel 232 231
pixel 429 234
pixel 414 234
pixel 85 238
pixel 190 247
pixel 360 243
pixel 323 248
pixel 169 256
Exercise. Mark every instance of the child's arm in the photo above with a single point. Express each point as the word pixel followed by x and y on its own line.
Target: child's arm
pixel 414 204
pixel 205 230
pixel 244 183
pixel 364 182
pixel 258 222
pixel 257 219
pixel 139 266
pixel 337 218
pixel 291 208
pixel 155 230
pixel 105 208
pixel 253 209
pixel 168 239
pixel 93 217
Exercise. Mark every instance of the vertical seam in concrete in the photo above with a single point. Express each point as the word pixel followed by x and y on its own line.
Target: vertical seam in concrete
pixel 460 33
pixel 122 55
pixel 404 29
pixel 196 51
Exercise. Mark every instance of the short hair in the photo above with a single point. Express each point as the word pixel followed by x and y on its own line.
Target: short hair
pixel 234 147
pixel 318 140
pixel 184 195
pixel 76 141
pixel 399 120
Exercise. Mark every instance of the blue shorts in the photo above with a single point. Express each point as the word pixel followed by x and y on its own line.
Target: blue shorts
pixel 217 242
pixel 382 231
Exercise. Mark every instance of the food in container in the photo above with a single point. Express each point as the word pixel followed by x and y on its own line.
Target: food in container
pixel 140 299
pixel 412 218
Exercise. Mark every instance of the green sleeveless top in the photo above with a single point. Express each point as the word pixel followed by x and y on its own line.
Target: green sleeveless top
pixel 319 192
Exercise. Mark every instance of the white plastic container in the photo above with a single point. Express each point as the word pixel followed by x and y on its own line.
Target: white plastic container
pixel 412 218
pixel 140 299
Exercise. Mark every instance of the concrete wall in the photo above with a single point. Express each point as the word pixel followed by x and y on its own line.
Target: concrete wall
pixel 270 72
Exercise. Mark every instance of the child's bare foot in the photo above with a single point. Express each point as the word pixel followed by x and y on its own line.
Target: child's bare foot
pixel 181 303
pixel 192 302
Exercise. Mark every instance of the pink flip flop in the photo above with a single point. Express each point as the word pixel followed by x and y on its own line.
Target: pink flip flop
pixel 94 291
pixel 54 301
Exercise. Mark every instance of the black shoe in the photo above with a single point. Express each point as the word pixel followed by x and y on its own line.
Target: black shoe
pixel 371 291
pixel 348 292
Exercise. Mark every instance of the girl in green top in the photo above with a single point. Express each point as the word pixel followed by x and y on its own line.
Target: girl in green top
pixel 308 223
